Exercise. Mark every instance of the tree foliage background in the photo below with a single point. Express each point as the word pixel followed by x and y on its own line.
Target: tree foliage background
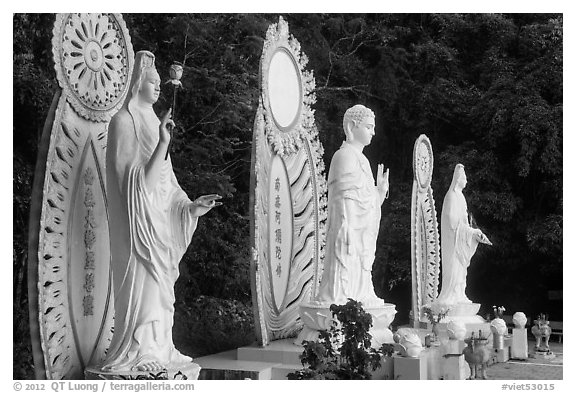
pixel 485 88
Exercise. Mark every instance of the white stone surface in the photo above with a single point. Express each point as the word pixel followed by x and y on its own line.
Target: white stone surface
pixel 411 345
pixel 406 368
pixel 519 349
pixel 456 330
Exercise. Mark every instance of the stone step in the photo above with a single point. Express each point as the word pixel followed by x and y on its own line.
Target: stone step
pixel 226 366
pixel 279 372
pixel 274 361
pixel 280 351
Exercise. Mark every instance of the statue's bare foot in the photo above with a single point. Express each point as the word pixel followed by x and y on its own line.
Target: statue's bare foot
pixel 150 365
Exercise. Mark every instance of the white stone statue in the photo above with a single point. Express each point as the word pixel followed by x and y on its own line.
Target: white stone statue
pixel 353 215
pixel 151 224
pixel 458 242
pixel 354 202
pixel 410 345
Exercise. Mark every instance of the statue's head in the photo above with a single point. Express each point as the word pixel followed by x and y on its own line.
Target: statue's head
pixel 359 123
pixel 459 178
pixel 145 84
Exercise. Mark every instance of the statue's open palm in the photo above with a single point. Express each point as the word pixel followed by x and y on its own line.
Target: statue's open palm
pixel 382 181
pixel 205 203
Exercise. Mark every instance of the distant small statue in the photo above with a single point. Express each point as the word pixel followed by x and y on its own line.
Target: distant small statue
pixel 458 241
pixel 353 215
pixel 541 331
pixel 151 224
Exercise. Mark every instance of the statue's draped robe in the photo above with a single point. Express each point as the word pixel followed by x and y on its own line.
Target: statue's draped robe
pixel 150 230
pixel 458 245
pixel 353 224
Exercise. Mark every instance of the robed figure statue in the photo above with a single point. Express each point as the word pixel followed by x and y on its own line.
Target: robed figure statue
pixel 151 225
pixel 354 202
pixel 458 242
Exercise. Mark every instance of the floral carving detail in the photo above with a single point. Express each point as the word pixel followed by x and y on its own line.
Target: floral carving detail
pixel 90 260
pixel 89 282
pixel 89 177
pixel 89 238
pixel 93 64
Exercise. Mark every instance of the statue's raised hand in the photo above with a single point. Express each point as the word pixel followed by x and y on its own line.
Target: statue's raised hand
pixel 482 238
pixel 382 181
pixel 204 204
pixel 166 125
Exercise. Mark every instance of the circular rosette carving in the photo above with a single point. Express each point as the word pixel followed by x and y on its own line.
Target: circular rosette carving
pixel 287 90
pixel 423 162
pixel 93 59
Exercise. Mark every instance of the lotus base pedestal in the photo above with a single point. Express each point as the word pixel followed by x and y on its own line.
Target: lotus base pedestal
pixel 317 317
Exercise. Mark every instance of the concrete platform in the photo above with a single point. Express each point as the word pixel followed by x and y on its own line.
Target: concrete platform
pixel 274 361
pixel 280 351
pixel 531 368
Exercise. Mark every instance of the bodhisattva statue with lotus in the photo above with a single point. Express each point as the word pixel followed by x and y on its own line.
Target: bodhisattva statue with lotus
pixel 459 241
pixel 151 225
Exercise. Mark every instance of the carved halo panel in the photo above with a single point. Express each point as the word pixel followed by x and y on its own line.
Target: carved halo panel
pixel 425 236
pixel 93 55
pixel 70 287
pixel 423 162
pixel 287 164
pixel 287 90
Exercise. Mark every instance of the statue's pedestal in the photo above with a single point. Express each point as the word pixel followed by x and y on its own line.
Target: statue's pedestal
pixel 466 313
pixel 519 348
pixel 454 365
pixel 406 368
pixel 461 312
pixel 186 371
pixel 317 316
pixel 502 355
